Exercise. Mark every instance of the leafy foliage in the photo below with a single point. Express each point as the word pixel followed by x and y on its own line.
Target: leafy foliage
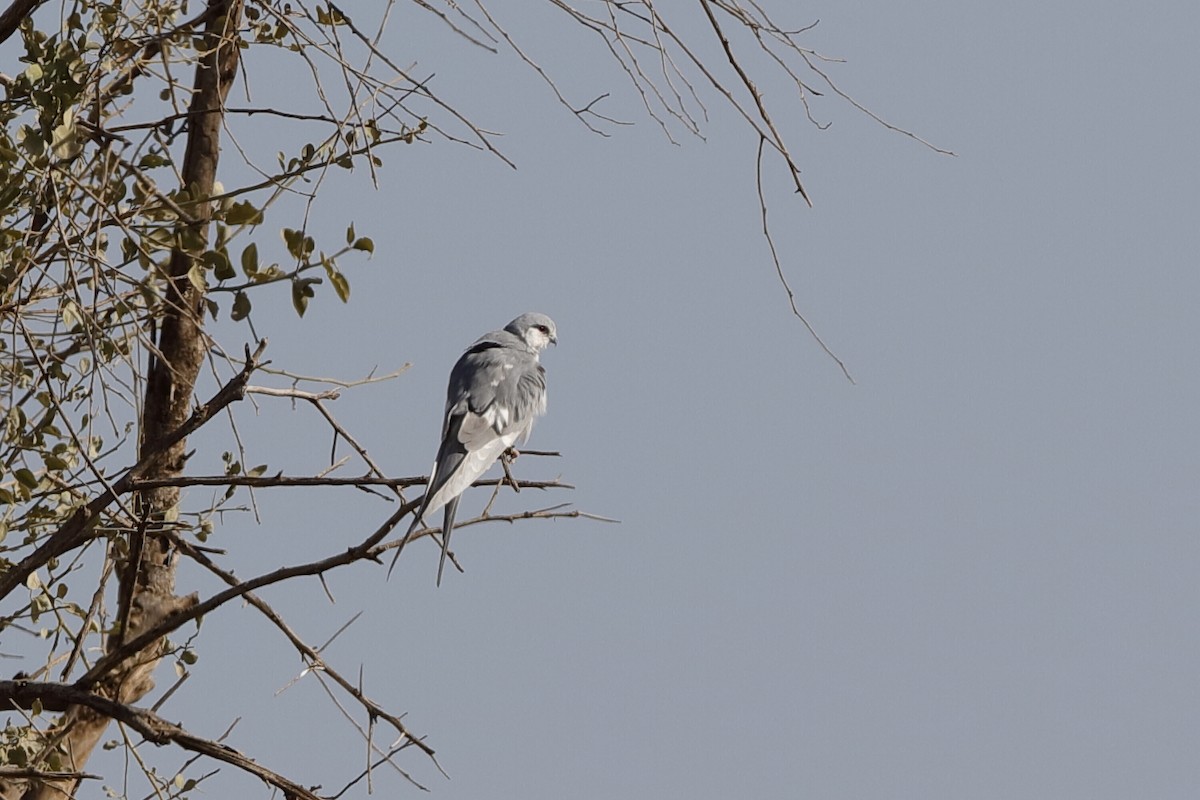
pixel 95 133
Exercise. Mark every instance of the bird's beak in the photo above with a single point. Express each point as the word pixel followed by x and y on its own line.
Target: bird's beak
pixel 554 341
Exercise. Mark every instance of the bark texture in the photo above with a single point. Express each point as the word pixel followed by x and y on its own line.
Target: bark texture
pixel 147 574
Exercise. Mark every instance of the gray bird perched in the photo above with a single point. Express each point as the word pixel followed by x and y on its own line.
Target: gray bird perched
pixel 497 388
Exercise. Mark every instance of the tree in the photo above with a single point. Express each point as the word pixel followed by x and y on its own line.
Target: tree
pixel 118 241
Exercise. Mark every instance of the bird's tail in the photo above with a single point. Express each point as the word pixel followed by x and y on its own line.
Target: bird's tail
pixel 415 523
pixel 447 526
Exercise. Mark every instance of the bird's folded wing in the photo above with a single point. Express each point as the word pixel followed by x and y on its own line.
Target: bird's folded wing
pixel 471 446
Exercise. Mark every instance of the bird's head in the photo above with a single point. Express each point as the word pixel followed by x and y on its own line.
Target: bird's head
pixel 536 330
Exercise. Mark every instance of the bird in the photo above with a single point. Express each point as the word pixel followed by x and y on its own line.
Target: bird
pixel 497 389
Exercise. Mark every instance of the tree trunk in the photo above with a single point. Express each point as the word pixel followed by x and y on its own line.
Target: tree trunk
pixel 147 575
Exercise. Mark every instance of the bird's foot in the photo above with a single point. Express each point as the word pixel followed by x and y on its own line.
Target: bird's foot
pixel 507 458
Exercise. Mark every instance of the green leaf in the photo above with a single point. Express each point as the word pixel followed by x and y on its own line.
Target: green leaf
pixel 152 160
pixel 31 139
pixel 299 245
pixel 55 463
pixel 250 259
pixel 218 262
pixel 350 233
pixel 331 17
pixel 301 292
pixel 33 72
pixel 340 285
pixel 295 242
pixel 26 478
pixel 191 240
pixel 158 239
pixel 365 244
pixel 243 213
pixel 65 143
pixel 241 307
pixel 70 315
pixel 196 276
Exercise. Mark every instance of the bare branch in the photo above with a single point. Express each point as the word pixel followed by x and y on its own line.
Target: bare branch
pixel 766 230
pixel 270 482
pixel 26 773
pixel 366 549
pixel 60 696
pixel 10 20
pixel 311 655
pixel 776 139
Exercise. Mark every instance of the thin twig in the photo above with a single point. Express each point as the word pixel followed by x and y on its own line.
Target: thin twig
pixel 766 229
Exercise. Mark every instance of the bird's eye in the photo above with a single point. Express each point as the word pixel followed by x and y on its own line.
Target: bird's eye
pixel 543 329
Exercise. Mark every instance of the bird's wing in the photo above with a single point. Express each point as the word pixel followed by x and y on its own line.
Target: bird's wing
pixel 460 463
pixel 499 379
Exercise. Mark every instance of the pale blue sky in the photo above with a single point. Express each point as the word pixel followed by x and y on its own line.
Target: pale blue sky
pixel 971 575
